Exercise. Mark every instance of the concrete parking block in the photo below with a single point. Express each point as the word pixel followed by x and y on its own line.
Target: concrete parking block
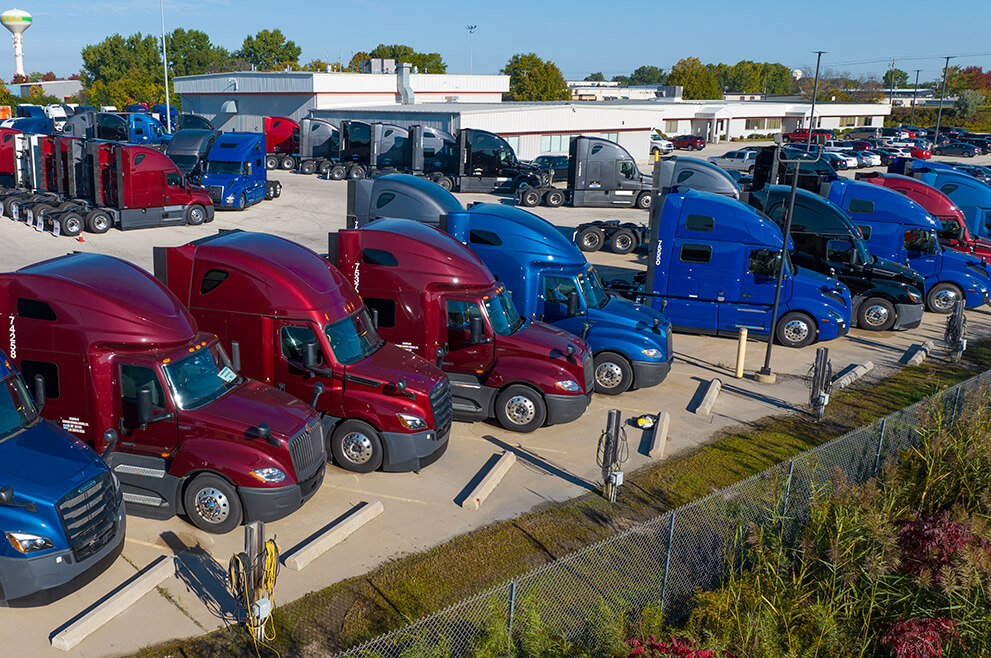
pixel 709 399
pixel 660 438
pixel 488 483
pixel 853 375
pixel 312 548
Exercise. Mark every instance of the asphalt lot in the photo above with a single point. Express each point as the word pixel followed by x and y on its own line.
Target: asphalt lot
pixel 554 463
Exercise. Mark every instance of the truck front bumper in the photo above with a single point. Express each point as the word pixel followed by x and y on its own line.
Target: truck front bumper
pixel 31 581
pixel 650 373
pixel 566 408
pixel 275 503
pixel 411 452
pixel 909 316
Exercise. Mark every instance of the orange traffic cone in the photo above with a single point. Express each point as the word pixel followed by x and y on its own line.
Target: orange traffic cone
pixel 80 239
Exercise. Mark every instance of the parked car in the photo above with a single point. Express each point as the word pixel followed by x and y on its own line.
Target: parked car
pixel 802 135
pixel 659 145
pixel 920 153
pixel 980 142
pixel 859 156
pixel 735 160
pixel 850 160
pixel 873 159
pixel 837 161
pixel 956 148
pixel 887 156
pixel 689 142
pixel 555 167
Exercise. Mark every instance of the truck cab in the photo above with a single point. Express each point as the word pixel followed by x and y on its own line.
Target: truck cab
pixel 603 174
pixel 434 297
pixel 319 147
pixel 487 163
pixel 189 149
pixel 144 129
pixel 970 195
pixel 61 511
pixel 270 301
pixel 281 143
pixel 97 125
pixel 235 171
pixel 116 352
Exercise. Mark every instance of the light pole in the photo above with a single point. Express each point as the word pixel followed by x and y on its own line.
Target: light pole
pixel 165 67
pixel 942 93
pixel 764 375
pixel 891 85
pixel 915 95
pixel 471 32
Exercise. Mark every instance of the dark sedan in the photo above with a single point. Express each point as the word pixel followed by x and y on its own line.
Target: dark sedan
pixel 957 148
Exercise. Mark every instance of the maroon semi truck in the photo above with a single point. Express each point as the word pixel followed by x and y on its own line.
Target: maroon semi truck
pixel 291 319
pixel 434 297
pixel 119 356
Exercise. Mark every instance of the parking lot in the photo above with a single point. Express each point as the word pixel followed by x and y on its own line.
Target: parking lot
pixel 421 510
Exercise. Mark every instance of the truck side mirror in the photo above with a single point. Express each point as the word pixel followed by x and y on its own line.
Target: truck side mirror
pixel 318 390
pixel 586 327
pixel 247 168
pixel 6 495
pixel 476 329
pixel 375 318
pixel 110 442
pixel 39 391
pixel 441 353
pixel 236 356
pixel 146 411
pixel 310 355
pixel 572 307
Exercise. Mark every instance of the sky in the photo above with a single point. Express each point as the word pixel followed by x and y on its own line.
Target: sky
pixel 578 35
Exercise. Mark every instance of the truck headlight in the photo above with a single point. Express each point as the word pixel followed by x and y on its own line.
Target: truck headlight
pixel 412 423
pixel 269 475
pixel 25 542
pixel 915 297
pixel 652 353
pixel 230 198
pixel 568 385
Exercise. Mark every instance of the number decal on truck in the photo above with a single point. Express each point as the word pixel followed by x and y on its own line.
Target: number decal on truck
pixel 13 339
pixel 357 276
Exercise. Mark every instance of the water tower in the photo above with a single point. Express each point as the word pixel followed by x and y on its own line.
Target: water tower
pixel 17 21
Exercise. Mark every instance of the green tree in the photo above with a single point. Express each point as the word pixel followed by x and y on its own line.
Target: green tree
pixel 721 72
pixel 424 62
pixel 777 78
pixel 191 53
pixel 900 78
pixel 648 75
pixel 968 102
pixel 354 66
pixel 744 77
pixel 320 66
pixel 116 57
pixel 697 80
pixel 595 77
pixel 533 79
pixel 621 79
pixel 269 50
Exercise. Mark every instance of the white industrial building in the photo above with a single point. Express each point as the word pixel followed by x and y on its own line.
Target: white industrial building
pixel 239 100
pixel 537 128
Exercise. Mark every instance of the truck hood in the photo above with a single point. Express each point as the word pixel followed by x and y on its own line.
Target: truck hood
pixel 220 179
pixel 390 363
pixel 887 268
pixel 46 457
pixel 627 314
pixel 248 406
pixel 542 340
pixel 812 284
pixel 960 261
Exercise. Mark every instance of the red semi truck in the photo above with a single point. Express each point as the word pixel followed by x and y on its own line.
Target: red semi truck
pixel 435 298
pixel 281 143
pixel 119 356
pixel 292 319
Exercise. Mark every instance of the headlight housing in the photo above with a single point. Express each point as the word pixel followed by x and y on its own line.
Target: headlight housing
pixel 652 353
pixel 411 422
pixel 915 297
pixel 230 198
pixel 568 385
pixel 269 475
pixel 25 542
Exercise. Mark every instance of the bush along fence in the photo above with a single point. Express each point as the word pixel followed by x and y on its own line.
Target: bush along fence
pixel 653 572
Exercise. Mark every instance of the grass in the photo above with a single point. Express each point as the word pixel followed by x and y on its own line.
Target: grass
pixel 405 589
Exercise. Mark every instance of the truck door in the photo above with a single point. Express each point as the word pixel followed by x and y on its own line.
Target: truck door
pixel 292 377
pixel 463 356
pixel 627 183
pixel 175 197
pixel 556 291
pixel 691 263
pixel 751 306
pixel 152 439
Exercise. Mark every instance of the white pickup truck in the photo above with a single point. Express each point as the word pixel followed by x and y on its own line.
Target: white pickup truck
pixel 736 160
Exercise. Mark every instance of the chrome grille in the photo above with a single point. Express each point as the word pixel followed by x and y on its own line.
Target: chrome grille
pixel 89 516
pixel 216 193
pixel 670 352
pixel 442 407
pixel 307 450
pixel 588 371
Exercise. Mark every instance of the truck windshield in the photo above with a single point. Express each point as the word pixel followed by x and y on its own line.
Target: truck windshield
pixel 220 167
pixel 353 338
pixel 17 410
pixel 592 290
pixel 502 314
pixel 184 160
pixel 201 377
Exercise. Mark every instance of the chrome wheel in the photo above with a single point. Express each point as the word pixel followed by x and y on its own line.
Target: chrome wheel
pixel 212 505
pixel 944 300
pixel 623 243
pixel 520 410
pixel 608 375
pixel 876 315
pixel 357 447
pixel 796 331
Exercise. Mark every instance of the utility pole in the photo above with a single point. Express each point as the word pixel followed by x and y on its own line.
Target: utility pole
pixel 165 67
pixel 471 33
pixel 915 95
pixel 942 93
pixel 765 375
pixel 891 85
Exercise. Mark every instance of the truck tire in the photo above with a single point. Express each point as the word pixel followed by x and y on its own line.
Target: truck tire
pixel 71 224
pixel 356 447
pixel 69 205
pixel 338 172
pixel 356 172
pixel 613 374
pixel 645 201
pixel 242 202
pixel 529 198
pixel 796 329
pixel 98 221
pixel 271 162
pixel 553 198
pixel 195 214
pixel 445 182
pixel 212 504
pixel 591 238
pixel 276 189
pixel 876 314
pixel 288 163
pixel 324 168
pixel 545 178
pixel 42 209
pixel 942 296
pixel 520 409
pixel 622 241
pixel 308 167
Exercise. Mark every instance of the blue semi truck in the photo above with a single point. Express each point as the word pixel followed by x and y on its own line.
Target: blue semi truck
pixel 971 195
pixel 235 171
pixel 61 509
pixel 546 274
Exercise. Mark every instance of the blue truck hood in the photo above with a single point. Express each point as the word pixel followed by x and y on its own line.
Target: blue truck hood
pixel 629 317
pixel 44 461
pixel 223 180
pixel 957 260
pixel 807 283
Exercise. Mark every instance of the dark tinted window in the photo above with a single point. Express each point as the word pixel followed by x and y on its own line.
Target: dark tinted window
pixel 762 262
pixel 948 189
pixel 596 148
pixel 47 370
pixel 861 206
pixel 685 175
pixel 35 310
pixel 699 223
pixel 866 230
pixel 384 198
pixel 134 377
pixel 172 179
pixel 138 158
pixel 228 145
pixel 696 253
pixel 379 257
pixel 479 236
pixel 292 339
pixel 386 309
pixel 211 280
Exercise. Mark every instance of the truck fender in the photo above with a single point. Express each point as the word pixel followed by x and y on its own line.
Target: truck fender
pixel 520 370
pixel 180 494
pixel 228 459
pixel 625 341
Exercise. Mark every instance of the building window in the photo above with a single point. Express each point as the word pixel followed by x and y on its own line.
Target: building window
pixel 773 124
pixel 612 137
pixel 755 124
pixel 846 122
pixel 671 127
pixel 514 143
pixel 868 121
pixel 555 143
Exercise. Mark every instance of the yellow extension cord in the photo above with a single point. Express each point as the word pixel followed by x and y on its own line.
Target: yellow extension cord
pixel 241 590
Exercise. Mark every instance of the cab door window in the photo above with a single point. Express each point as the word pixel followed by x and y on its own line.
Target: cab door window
pixel 557 289
pixel 133 378
pixel 626 169
pixel 459 315
pixel 293 337
pixel 173 179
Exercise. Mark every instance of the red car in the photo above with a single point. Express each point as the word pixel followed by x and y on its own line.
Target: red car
pixel 802 135
pixel 921 154
pixel 689 142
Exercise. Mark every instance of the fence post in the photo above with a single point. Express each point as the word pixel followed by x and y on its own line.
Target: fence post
pixel 880 442
pixel 512 609
pixel 667 559
pixel 791 469
pixel 956 403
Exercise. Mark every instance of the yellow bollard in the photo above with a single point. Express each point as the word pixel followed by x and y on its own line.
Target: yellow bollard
pixel 741 353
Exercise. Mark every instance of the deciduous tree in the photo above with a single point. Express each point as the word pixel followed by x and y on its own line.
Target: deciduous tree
pixel 269 50
pixel 533 79
pixel 696 79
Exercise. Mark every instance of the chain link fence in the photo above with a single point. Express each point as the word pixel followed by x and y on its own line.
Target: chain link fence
pixel 665 561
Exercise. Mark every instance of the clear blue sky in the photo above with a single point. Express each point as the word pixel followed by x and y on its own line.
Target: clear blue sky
pixel 575 34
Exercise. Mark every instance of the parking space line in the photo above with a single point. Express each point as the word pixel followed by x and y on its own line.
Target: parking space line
pixel 382 495
pixel 159 547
